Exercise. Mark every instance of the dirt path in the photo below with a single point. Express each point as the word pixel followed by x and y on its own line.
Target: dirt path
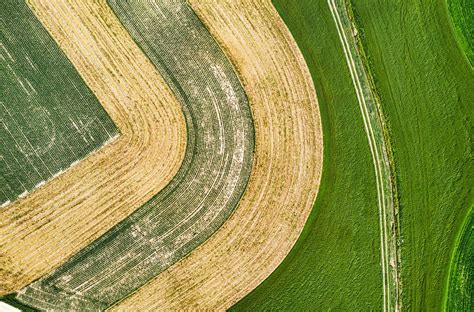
pixel 373 128
pixel 41 231
pixel 286 174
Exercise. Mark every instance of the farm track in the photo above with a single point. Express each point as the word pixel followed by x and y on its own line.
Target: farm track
pixel 286 173
pixel 204 192
pixel 373 123
pixel 41 231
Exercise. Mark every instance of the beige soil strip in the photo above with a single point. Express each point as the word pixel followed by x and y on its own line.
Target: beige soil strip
pixel 286 175
pixel 41 231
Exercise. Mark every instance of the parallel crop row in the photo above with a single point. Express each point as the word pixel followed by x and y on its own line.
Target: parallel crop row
pixel 205 190
pixel 49 118
pixel 285 178
pixel 44 229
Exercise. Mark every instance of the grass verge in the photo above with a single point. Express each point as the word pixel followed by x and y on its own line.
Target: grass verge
pixel 460 292
pixel 424 86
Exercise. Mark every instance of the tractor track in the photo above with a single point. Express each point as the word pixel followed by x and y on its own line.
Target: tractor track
pixel 373 127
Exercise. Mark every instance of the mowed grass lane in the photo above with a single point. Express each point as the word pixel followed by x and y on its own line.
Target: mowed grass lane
pixel 206 188
pixel 426 90
pixel 49 118
pixel 462 17
pixel 460 292
pixel 335 263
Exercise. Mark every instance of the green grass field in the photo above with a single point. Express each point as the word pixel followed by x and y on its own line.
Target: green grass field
pixel 426 91
pixel 49 117
pixel 462 16
pixel 335 264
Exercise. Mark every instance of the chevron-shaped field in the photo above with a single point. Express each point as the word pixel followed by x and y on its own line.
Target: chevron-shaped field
pixel 167 155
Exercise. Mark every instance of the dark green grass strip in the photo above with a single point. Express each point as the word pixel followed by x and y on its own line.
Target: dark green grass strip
pixel 425 86
pixel 335 263
pixel 462 17
pixel 49 118
pixel 461 283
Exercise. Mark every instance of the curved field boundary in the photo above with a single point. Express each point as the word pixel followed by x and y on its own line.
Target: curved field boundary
pixel 461 16
pixel 204 192
pixel 426 91
pixel 459 292
pixel 41 231
pixel 285 177
pixel 373 122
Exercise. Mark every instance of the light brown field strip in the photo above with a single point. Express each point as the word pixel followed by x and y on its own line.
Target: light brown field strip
pixel 41 231
pixel 286 174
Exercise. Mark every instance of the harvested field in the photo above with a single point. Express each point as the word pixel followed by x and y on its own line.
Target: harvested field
pixel 462 18
pixel 49 118
pixel 286 173
pixel 204 196
pixel 203 193
pixel 41 231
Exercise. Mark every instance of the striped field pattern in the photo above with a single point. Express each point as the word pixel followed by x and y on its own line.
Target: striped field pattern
pixel 207 229
pixel 49 117
pixel 203 193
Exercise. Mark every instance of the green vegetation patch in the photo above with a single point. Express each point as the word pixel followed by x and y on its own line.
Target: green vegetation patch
pixel 204 192
pixel 461 283
pixel 48 116
pixel 335 264
pixel 462 16
pixel 425 86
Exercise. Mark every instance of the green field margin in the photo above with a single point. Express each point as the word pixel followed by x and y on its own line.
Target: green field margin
pixel 425 86
pixel 462 17
pixel 459 295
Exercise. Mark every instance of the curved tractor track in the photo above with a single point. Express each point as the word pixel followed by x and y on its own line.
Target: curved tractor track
pixel 285 177
pixel 44 229
pixel 207 187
